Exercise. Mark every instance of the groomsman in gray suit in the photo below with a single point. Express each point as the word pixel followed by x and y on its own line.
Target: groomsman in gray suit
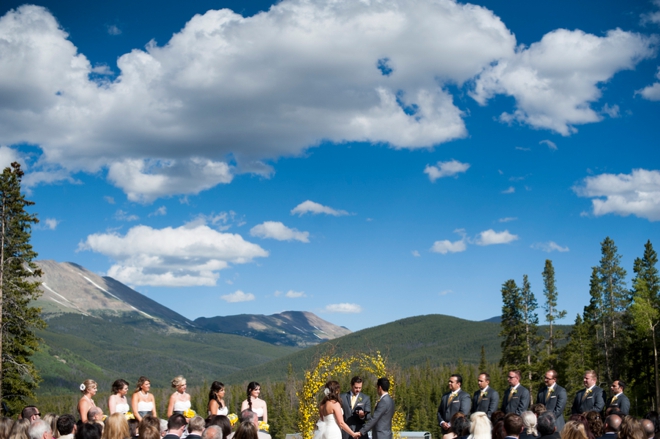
pixel 589 399
pixel 516 398
pixel 356 406
pixel 553 397
pixel 619 401
pixel 452 402
pixel 380 423
pixel 486 398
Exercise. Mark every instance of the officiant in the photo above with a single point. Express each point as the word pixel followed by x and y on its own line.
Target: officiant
pixel 356 406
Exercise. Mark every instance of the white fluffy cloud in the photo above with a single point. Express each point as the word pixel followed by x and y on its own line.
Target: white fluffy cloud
pixel 549 143
pixel 8 156
pixel 445 169
pixel 249 88
pixel 238 296
pixel 50 224
pixel 446 246
pixel 549 246
pixel 490 237
pixel 277 230
pixel 291 294
pixel 346 308
pixel 316 208
pixel 555 81
pixel 175 257
pixel 637 193
pixel 144 181
pixel 652 92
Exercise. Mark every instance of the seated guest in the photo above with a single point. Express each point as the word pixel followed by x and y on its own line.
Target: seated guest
pixel 116 428
pixel 247 430
pixel 612 426
pixel 20 429
pixel 5 427
pixel 582 419
pixel 133 425
pixel 51 419
pixel 631 428
pixel 649 428
pixel 30 413
pixel 461 427
pixel 547 426
pixel 538 408
pixel 88 431
pixel 480 427
pixel 39 429
pixel 66 426
pixel 451 433
pixel 654 417
pixel 513 425
pixel 196 427
pixel 213 432
pixel 223 422
pixel 595 423
pixel 574 430
pixel 529 426
pixel 176 425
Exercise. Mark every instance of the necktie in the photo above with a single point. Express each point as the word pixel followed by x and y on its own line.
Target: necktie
pixel 451 398
pixel 353 398
pixel 481 397
pixel 513 389
pixel 584 395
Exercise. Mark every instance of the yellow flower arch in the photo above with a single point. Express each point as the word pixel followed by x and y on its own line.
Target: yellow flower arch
pixel 328 365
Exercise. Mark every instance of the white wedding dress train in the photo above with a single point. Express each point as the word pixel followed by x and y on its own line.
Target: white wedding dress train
pixel 327 428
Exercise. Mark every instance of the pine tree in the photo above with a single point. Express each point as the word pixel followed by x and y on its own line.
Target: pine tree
pixel 18 287
pixel 552 314
pixel 482 360
pixel 645 309
pixel 577 354
pixel 532 338
pixel 614 303
pixel 513 327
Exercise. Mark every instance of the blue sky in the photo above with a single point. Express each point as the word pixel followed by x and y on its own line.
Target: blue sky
pixel 365 161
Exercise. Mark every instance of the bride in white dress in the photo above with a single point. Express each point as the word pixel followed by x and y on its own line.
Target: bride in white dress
pixel 331 420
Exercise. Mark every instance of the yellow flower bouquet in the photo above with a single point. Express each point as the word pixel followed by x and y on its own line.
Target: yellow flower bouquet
pixel 263 426
pixel 129 416
pixel 232 418
pixel 189 413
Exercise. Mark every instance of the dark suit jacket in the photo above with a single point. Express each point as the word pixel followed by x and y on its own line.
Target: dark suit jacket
pixel 608 435
pixel 380 423
pixel 519 401
pixel 622 403
pixel 554 403
pixel 594 402
pixel 554 435
pixel 488 403
pixel 354 421
pixel 461 403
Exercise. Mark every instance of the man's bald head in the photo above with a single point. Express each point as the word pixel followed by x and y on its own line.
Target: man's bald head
pixel 613 423
pixel 649 428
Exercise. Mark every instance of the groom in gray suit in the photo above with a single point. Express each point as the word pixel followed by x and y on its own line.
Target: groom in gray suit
pixel 356 406
pixel 380 423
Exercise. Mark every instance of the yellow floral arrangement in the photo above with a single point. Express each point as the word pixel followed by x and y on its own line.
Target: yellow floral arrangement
pixel 189 413
pixel 264 426
pixel 328 366
pixel 129 416
pixel 232 418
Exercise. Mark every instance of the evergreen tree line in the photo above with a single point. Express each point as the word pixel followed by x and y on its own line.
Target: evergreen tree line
pixel 615 335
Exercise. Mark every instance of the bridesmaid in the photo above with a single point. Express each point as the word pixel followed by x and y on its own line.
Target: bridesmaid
pixel 143 402
pixel 216 405
pixel 254 403
pixel 88 389
pixel 180 400
pixel 117 403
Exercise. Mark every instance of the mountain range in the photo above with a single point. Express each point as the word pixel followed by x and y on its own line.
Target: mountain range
pixel 101 328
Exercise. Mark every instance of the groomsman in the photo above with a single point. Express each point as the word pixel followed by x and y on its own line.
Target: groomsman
pixel 452 402
pixel 553 396
pixel 516 398
pixel 356 406
pixel 619 400
pixel 485 399
pixel 589 399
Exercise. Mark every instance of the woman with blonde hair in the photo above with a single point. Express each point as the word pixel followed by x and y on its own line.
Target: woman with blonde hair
pixel 20 429
pixel 88 389
pixel 573 430
pixel 51 419
pixel 180 400
pixel 143 402
pixel 480 426
pixel 5 427
pixel 631 428
pixel 116 427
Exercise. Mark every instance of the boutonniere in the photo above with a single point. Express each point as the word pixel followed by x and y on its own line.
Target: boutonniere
pixel 484 393
pixel 550 390
pixel 514 391
pixel 614 399
pixel 589 391
pixel 360 399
